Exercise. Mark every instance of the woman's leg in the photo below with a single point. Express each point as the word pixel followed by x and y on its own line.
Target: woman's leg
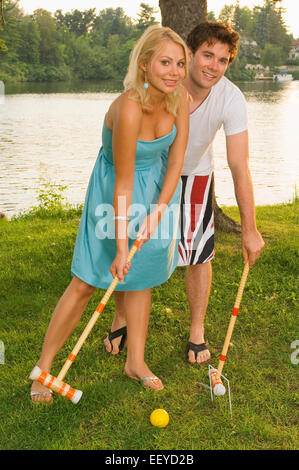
pixel 137 306
pixel 65 317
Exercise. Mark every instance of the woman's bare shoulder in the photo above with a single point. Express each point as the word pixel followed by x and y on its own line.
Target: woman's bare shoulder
pixel 185 95
pixel 124 108
pixel 183 108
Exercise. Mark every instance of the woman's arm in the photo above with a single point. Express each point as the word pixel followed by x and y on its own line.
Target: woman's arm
pixel 126 126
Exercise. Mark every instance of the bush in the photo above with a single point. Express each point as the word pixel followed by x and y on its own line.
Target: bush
pixel 247 75
pixel 45 73
pixel 292 61
pixel 12 73
pixel 51 204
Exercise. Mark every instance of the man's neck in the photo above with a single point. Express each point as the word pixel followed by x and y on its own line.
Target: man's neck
pixel 198 94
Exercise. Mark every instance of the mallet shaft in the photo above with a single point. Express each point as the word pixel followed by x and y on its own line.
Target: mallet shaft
pixel 233 318
pixel 56 383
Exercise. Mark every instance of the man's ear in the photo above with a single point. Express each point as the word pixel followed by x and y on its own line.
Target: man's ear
pixel 190 54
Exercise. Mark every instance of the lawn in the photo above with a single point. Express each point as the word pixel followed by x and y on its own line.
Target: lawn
pixel 113 414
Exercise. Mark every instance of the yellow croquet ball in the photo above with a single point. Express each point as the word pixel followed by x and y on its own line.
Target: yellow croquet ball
pixel 159 418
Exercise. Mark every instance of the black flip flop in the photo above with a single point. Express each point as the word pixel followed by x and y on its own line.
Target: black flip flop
pixel 115 334
pixel 196 348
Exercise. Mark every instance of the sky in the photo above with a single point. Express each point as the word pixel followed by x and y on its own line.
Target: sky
pixel 131 7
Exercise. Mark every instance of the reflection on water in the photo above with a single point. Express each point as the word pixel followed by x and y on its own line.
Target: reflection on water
pixel 274 143
pixel 52 132
pixel 78 86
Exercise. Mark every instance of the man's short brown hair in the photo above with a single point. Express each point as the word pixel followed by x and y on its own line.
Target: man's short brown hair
pixel 210 32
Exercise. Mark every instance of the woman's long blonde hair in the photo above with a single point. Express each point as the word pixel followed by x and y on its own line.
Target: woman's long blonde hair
pixel 144 51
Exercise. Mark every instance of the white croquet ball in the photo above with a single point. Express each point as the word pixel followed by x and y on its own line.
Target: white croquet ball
pixel 219 390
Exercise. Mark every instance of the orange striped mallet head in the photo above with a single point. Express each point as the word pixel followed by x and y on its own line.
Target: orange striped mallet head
pixel 56 383
pixel 215 374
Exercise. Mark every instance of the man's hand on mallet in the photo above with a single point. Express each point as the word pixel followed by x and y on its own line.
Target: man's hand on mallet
pixel 252 245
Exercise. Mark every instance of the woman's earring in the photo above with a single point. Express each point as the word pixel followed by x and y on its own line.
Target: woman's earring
pixel 145 81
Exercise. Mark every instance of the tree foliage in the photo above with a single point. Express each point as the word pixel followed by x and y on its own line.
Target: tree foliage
pixel 264 36
pixel 87 45
pixel 61 46
pixel 2 43
pixel 146 16
pixel 78 22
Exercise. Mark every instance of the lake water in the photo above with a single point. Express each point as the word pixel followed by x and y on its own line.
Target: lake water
pixel 52 133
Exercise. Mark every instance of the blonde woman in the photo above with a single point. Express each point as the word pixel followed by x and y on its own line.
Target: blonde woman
pixel 134 187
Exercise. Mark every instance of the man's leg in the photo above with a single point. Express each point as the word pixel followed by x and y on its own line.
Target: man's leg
pixel 198 286
pixel 119 321
pixel 196 250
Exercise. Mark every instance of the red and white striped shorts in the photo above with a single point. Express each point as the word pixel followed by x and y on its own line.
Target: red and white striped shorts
pixel 196 220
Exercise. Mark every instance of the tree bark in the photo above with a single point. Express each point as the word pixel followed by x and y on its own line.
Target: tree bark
pixel 182 17
pixel 1 14
pixel 223 222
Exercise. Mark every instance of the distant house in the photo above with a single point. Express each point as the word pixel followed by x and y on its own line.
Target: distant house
pixel 294 51
pixel 248 42
pixel 257 67
pixel 261 72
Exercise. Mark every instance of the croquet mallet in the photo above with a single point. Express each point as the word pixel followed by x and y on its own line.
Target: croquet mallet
pixel 56 383
pixel 215 374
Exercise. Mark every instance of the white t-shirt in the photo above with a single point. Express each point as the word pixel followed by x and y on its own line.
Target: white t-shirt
pixel 225 105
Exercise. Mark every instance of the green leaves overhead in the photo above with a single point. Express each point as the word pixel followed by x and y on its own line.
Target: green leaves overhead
pixel 76 44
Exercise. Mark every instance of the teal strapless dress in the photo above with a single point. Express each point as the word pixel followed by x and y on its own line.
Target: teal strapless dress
pixel 95 247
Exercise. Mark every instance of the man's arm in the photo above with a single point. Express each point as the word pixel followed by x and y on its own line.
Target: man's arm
pixel 237 157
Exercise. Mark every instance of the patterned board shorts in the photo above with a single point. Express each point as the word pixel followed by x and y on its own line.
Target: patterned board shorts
pixel 197 220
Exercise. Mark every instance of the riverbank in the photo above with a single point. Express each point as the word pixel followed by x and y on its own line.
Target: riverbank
pixel 35 256
pixel 67 81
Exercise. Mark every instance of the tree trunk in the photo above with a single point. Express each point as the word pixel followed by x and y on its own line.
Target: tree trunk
pixel 1 14
pixel 223 222
pixel 182 17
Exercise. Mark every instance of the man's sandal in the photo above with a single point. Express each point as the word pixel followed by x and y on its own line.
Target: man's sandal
pixel 196 348
pixel 116 334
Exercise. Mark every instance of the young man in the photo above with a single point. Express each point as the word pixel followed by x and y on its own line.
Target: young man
pixel 215 102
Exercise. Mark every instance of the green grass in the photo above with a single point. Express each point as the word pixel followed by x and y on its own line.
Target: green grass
pixel 35 257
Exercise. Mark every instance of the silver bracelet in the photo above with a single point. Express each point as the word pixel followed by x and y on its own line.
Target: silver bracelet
pixel 121 217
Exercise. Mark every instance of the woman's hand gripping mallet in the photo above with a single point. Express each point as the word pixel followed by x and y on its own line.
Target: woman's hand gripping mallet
pixel 215 374
pixel 56 383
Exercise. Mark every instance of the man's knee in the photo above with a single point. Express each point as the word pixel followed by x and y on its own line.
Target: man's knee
pixel 199 268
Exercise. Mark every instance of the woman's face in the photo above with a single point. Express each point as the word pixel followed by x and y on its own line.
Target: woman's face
pixel 167 68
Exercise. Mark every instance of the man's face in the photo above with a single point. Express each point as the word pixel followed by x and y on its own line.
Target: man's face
pixel 208 64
